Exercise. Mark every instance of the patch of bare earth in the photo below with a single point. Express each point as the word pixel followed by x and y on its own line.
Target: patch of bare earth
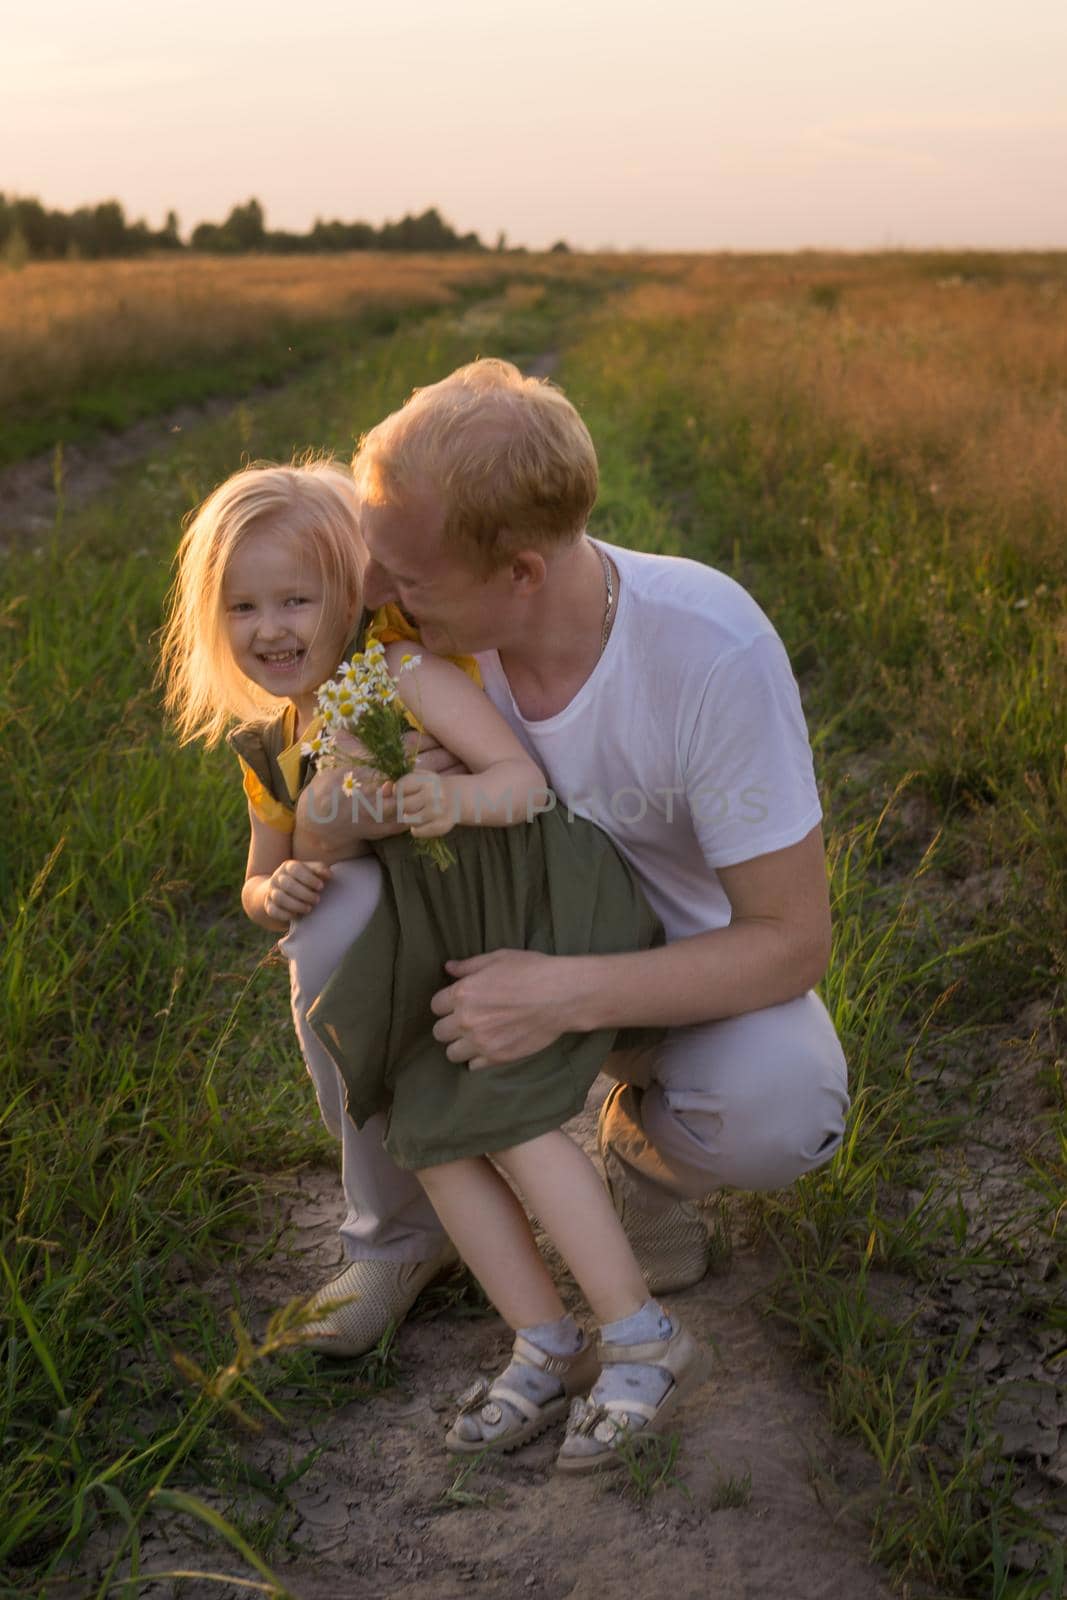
pixel 372 1516
pixel 996 1287
pixel 993 1290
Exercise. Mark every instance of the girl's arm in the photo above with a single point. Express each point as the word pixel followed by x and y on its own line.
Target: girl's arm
pixel 504 785
pixel 291 888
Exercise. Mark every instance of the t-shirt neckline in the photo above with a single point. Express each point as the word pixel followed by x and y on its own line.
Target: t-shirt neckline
pixel 574 704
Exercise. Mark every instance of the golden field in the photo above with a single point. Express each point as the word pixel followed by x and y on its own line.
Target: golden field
pixel 62 323
pixel 948 370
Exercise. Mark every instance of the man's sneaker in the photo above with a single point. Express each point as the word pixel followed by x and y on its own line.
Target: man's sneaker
pixel 385 1292
pixel 668 1236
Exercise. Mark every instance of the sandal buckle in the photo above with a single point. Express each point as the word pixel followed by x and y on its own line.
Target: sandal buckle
pixel 473 1397
pixel 593 1421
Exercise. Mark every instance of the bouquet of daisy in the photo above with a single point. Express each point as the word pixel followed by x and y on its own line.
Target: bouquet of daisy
pixel 363 700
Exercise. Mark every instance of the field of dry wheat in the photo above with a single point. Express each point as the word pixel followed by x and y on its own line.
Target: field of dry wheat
pixel 948 370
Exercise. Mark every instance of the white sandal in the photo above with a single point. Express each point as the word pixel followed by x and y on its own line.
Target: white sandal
pixel 577 1373
pixel 606 1421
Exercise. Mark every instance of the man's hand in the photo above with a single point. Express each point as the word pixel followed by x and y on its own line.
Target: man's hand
pixel 503 1006
pixel 332 827
pixel 368 778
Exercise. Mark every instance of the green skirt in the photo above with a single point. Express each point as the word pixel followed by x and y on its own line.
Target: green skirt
pixel 555 885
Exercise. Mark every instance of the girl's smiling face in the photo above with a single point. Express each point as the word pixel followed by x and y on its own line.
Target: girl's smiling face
pixel 281 632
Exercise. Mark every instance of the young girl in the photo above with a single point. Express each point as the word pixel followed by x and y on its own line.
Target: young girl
pixel 266 604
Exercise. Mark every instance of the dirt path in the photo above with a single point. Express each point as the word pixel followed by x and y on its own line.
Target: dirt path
pixel 28 501
pixel 372 1516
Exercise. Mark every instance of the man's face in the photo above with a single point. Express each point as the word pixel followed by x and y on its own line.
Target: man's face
pixel 456 610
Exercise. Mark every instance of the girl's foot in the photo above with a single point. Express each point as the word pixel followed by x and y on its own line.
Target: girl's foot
pixel 549 1365
pixel 647 1372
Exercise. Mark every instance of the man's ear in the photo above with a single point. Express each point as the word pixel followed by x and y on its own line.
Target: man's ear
pixel 528 570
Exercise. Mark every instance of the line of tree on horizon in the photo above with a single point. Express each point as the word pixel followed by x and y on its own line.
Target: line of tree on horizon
pixel 30 232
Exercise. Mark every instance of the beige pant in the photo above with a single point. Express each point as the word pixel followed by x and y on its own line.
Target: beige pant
pixel 750 1102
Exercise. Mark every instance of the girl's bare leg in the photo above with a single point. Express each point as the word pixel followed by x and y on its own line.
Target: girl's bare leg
pixel 562 1189
pixel 489 1229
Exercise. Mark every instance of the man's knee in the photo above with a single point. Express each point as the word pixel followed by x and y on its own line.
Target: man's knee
pixel 755 1134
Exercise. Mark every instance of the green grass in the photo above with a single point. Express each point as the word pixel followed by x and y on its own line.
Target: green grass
pixel 730 1492
pixel 649 1463
pixel 149 1078
pixel 910 642
pixel 457 1497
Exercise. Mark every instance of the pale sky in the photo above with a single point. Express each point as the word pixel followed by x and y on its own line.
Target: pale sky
pixel 752 124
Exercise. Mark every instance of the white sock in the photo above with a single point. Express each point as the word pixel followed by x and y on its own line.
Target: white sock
pixel 634 1380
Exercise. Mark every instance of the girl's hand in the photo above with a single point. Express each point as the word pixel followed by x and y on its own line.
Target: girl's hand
pixel 293 889
pixel 422 804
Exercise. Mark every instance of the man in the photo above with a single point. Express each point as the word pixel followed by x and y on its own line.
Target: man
pixel 659 700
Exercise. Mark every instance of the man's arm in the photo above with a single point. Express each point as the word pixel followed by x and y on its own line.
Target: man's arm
pixel 776 947
pixel 511 1003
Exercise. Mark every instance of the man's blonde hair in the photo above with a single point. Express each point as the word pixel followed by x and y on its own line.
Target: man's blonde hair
pixel 510 457
pixel 312 502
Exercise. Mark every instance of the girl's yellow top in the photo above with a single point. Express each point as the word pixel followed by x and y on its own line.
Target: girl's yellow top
pixel 387 625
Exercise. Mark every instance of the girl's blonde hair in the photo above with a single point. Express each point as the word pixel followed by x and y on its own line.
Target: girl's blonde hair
pixel 314 503
pixel 510 457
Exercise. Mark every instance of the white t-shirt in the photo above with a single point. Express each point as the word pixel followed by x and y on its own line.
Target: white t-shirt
pixel 686 743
